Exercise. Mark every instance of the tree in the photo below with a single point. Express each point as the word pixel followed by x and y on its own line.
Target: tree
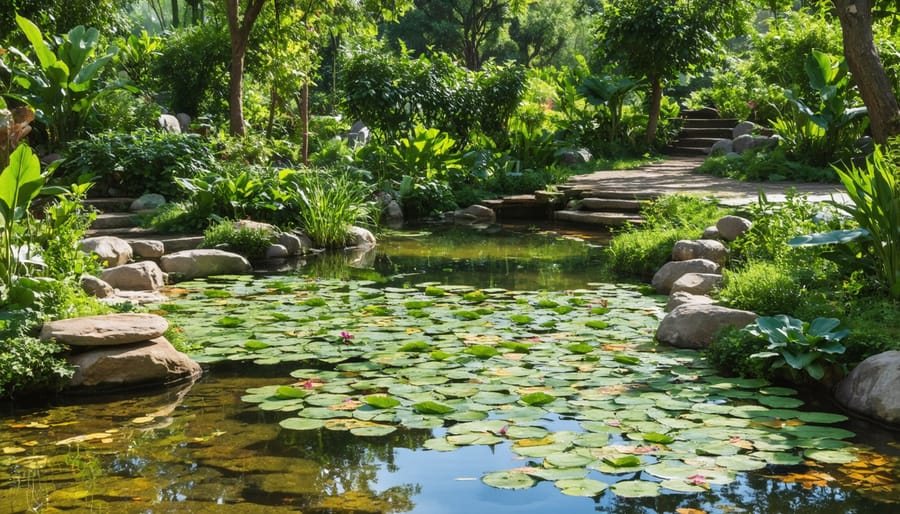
pixel 658 39
pixel 856 17
pixel 544 30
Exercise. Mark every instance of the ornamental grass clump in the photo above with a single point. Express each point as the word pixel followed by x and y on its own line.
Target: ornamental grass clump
pixel 330 202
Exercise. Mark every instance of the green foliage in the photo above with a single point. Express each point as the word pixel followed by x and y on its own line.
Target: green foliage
pixel 137 163
pixel 329 203
pixel 63 83
pixel 427 153
pixel 730 353
pixel 827 125
pixel 28 365
pixel 738 93
pixel 192 70
pixel 421 197
pixel 247 241
pixel 765 165
pixel 763 287
pixel 808 347
pixel 642 250
pixel 608 95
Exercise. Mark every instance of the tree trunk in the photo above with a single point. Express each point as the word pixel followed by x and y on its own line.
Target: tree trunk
pixel 865 65
pixel 239 30
pixel 655 102
pixel 175 20
pixel 304 119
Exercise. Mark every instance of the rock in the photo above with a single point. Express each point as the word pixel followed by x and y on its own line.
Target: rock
pixel 680 298
pixel 148 202
pixel 873 388
pixel 392 214
pixel 747 142
pixel 96 287
pixel 672 271
pixel 259 226
pixel 731 227
pixel 359 236
pixel 137 276
pixel 575 156
pixel 743 128
pixel 710 233
pixel 169 123
pixel 358 135
pixel 135 297
pixel 362 257
pixel 111 251
pixel 722 147
pixel 708 249
pixel 693 325
pixel 203 263
pixel 697 283
pixel 147 249
pixel 105 330
pixel 277 251
pixel 293 243
pixel 153 361
pixel 475 214
pixel 184 121
pixel 741 144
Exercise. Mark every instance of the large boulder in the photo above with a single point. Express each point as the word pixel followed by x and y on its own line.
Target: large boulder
pixel 680 298
pixel 147 248
pixel 111 251
pixel 360 237
pixel 709 249
pixel 743 128
pixel 697 283
pixel 105 330
pixel 721 147
pixel 137 276
pixel 672 271
pixel 732 227
pixel 169 123
pixel 295 245
pixel 693 325
pixel 148 202
pixel 873 388
pixel 474 214
pixel 147 362
pixel 96 287
pixel 203 263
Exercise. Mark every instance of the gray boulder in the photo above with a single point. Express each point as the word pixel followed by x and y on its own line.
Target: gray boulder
pixel 575 156
pixel 873 388
pixel 710 233
pixel 96 287
pixel 731 227
pixel 360 237
pixel 697 283
pixel 137 276
pixel 743 128
pixel 147 202
pixel 203 263
pixel 392 214
pixel 111 251
pixel 693 325
pixel 708 249
pixel 105 330
pixel 147 248
pixel 184 121
pixel 474 214
pixel 294 244
pixel 672 271
pixel 742 143
pixel 148 362
pixel 258 226
pixel 722 147
pixel 169 123
pixel 680 298
pixel 277 251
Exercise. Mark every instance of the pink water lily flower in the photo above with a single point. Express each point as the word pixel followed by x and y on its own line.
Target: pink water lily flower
pixel 696 480
pixel 346 336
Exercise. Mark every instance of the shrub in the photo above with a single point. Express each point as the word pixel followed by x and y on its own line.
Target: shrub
pixel 28 364
pixel 329 203
pixel 730 353
pixel 193 63
pixel 249 242
pixel 765 165
pixel 763 287
pixel 137 163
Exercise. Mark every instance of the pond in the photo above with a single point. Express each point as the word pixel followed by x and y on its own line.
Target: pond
pixel 452 372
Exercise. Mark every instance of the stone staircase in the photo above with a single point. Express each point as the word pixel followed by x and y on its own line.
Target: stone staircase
pixel 116 219
pixel 701 129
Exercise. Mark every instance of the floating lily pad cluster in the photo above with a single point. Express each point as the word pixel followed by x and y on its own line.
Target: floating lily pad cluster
pixel 491 366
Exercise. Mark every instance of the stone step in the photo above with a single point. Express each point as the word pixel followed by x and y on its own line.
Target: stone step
pixel 709 123
pixel 117 204
pixel 687 141
pixel 717 132
pixel 685 151
pixel 609 219
pixel 115 220
pixel 612 204
pixel 701 113
pixel 122 232
pixel 589 191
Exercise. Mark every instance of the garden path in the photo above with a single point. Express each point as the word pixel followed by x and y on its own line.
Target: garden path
pixel 676 175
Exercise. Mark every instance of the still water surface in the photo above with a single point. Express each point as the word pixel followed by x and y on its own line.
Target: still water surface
pixel 199 448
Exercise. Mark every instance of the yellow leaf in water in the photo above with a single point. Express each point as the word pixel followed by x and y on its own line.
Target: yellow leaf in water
pixel 30 443
pixel 35 424
pixel 107 440
pixel 12 450
pixel 525 443
pixel 689 511
pixel 142 420
pixel 112 431
pixel 410 331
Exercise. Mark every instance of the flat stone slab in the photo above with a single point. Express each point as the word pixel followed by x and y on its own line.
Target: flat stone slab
pixel 612 219
pixel 612 204
pixel 105 330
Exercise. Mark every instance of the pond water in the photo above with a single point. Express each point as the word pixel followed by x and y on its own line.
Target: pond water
pixel 452 372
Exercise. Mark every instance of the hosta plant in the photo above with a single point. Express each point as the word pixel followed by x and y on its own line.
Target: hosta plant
pixel 810 348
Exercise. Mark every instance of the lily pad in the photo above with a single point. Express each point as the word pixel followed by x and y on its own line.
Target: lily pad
pixel 635 489
pixel 831 456
pixel 509 480
pixel 302 424
pixel 581 487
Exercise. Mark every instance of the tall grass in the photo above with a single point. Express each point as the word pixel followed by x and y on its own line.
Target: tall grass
pixel 330 202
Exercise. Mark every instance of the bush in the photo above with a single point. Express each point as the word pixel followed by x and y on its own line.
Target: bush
pixel 329 203
pixel 137 163
pixel 765 165
pixel 28 365
pixel 249 242
pixel 730 353
pixel 763 287
pixel 193 68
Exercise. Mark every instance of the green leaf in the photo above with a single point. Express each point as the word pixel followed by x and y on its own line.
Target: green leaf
pixel 415 346
pixel 508 480
pixel 302 424
pixel 253 344
pixel 381 401
pixel 430 407
pixel 538 398
pixel 20 183
pixel 627 359
pixel 481 351
pixel 597 324
pixel 831 456
pixel 623 462
pixel 581 487
pixel 655 437
pixel 635 489
pixel 36 38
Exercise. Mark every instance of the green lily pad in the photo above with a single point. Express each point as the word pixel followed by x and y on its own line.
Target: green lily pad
pixel 739 463
pixel 302 424
pixel 439 444
pixel 481 351
pixel 508 480
pixel 432 408
pixel 373 430
pixel 635 489
pixel 780 402
pixel 683 486
pixel 831 456
pixel 554 474
pixel 627 461
pixel 538 398
pixel 581 487
pixel 568 460
pixel 381 401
